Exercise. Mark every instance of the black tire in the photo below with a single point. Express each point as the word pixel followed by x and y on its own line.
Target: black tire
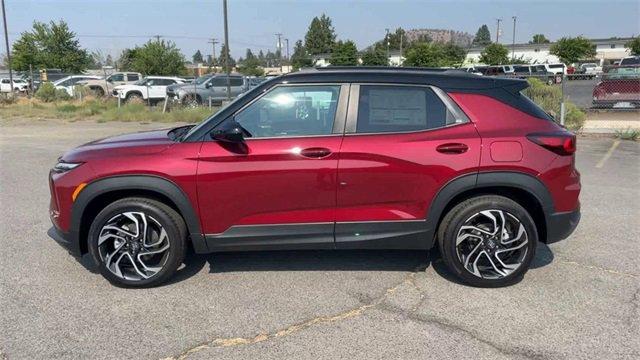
pixel 168 218
pixel 97 91
pixel 134 98
pixel 450 228
pixel 192 101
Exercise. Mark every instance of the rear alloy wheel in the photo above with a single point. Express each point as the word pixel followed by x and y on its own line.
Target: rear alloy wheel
pixel 488 241
pixel 137 242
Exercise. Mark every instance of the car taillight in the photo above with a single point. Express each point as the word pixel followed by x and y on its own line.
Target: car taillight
pixel 561 143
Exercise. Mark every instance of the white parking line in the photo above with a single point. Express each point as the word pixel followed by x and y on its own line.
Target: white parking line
pixel 606 156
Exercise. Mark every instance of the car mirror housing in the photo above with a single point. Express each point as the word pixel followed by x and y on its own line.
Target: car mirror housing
pixel 231 133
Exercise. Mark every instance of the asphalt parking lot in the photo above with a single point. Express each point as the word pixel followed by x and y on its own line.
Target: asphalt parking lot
pixel 580 300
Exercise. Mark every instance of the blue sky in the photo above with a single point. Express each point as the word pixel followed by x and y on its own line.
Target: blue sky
pixel 111 26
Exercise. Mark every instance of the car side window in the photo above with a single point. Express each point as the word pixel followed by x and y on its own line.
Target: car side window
pixel 219 81
pixel 236 81
pixel 5 81
pixel 288 111
pixel 386 109
pixel 132 77
pixel 117 77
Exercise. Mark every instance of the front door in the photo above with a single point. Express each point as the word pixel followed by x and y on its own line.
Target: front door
pixel 278 187
pixel 401 145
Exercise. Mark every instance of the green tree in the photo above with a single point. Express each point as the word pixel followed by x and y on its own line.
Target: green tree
pixel 495 54
pixel 222 60
pixel 125 61
pixel 454 54
pixel 375 57
pixel 569 50
pixel 634 45
pixel 250 65
pixel 51 46
pixel 394 39
pixel 344 53
pixel 197 57
pixel 300 58
pixel 426 55
pixel 158 58
pixel 539 39
pixel 320 36
pixel 483 36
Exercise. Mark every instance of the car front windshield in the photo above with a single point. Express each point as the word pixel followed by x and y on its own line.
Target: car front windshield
pixel 201 80
pixel 141 82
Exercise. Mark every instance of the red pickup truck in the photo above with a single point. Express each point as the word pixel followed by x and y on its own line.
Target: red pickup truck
pixel 619 88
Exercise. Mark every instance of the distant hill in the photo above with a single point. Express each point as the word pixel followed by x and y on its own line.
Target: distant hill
pixel 460 38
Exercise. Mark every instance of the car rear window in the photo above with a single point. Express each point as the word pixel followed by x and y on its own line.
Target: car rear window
pixel 631 61
pixel 388 108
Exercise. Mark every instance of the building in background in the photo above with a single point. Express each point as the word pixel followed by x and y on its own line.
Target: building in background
pixel 607 51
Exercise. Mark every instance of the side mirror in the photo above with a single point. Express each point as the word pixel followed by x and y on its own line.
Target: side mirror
pixel 232 133
pixel 209 85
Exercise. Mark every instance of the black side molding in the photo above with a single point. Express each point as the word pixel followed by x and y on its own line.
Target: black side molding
pixel 313 236
pixel 151 183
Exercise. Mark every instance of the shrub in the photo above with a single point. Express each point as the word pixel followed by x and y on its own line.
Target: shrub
pixel 46 92
pixel 628 134
pixel 549 98
pixel 574 117
pixel 49 93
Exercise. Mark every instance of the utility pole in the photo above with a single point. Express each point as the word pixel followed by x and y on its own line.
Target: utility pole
pixel 498 31
pixel 157 37
pixel 279 35
pixel 400 60
pixel 287 41
pixel 6 42
pixel 226 54
pixel 513 46
pixel 387 39
pixel 213 43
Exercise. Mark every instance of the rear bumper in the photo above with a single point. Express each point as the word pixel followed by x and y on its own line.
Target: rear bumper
pixel 562 224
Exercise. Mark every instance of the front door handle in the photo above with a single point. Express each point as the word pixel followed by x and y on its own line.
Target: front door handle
pixel 452 148
pixel 315 152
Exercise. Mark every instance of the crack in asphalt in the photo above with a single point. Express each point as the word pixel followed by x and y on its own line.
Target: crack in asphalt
pixel 447 326
pixel 237 341
pixel 593 267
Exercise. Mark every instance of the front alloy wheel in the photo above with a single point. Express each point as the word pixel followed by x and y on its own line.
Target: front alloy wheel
pixel 137 242
pixel 133 246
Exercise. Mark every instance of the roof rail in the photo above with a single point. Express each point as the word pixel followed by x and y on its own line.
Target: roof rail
pixel 385 68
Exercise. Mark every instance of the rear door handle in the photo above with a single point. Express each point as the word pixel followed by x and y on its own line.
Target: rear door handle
pixel 452 148
pixel 315 152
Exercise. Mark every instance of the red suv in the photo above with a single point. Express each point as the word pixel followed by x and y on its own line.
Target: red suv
pixel 335 158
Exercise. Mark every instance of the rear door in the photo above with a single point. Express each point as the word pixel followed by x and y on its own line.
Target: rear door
pixel 401 145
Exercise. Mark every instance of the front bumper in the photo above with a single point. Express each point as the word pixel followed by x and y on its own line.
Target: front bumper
pixel 68 240
pixel 562 224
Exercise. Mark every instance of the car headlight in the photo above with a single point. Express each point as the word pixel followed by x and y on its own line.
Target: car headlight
pixel 62 166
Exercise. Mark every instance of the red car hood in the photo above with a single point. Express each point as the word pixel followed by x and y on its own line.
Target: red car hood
pixel 140 143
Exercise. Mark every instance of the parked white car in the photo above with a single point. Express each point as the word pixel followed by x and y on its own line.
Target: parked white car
pixel 150 87
pixel 558 69
pixel 67 83
pixel 18 85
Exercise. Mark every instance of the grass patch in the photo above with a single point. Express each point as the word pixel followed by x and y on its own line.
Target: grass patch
pixel 628 134
pixel 100 110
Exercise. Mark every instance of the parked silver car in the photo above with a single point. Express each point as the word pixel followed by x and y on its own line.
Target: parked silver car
pixel 207 87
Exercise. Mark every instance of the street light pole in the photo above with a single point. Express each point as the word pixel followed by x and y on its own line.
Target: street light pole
pixel 6 42
pixel 513 47
pixel 226 54
pixel 498 31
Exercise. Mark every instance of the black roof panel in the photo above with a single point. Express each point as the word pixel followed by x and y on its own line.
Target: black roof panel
pixel 443 78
